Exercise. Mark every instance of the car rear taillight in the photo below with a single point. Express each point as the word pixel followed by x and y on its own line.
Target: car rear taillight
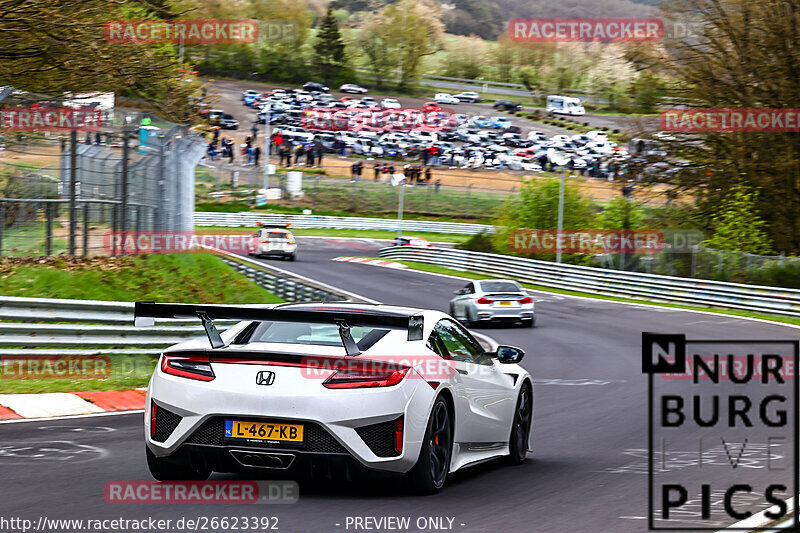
pixel 526 300
pixel 398 435
pixel 153 409
pixel 484 301
pixel 362 378
pixel 187 366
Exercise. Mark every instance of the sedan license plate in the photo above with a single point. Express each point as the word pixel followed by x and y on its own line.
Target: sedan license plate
pixel 505 302
pixel 266 431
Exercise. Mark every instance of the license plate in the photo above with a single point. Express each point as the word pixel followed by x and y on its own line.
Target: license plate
pixel 266 431
pixel 505 302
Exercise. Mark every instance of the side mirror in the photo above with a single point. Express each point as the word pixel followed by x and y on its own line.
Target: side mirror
pixel 510 355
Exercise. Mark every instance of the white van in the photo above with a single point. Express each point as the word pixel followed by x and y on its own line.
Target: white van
pixel 565 105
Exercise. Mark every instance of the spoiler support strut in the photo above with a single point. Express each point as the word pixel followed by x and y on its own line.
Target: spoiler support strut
pixel 211 331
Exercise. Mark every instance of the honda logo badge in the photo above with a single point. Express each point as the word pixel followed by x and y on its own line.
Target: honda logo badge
pixel 265 377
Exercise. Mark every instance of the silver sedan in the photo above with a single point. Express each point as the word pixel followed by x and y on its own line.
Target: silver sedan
pixel 493 300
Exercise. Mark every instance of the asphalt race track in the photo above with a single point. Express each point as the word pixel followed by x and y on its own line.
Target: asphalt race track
pixel 587 472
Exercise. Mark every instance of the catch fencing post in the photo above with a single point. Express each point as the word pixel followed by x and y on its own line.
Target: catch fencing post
pixel 48 231
pixel 86 229
pixel 124 181
pixel 73 180
pixel 2 224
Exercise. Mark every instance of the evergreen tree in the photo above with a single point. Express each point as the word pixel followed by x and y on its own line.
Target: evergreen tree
pixel 329 49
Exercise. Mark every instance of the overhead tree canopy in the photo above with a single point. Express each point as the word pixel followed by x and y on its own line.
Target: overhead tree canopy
pixel 55 47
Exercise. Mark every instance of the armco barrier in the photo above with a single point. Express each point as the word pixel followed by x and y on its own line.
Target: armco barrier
pixel 249 220
pixel 701 293
pixel 84 327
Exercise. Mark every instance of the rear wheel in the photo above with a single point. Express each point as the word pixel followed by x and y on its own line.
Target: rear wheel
pixel 521 428
pixel 529 323
pixel 292 257
pixel 429 474
pixel 164 471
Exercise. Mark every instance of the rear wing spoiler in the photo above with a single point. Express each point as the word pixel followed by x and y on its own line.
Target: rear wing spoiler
pixel 145 314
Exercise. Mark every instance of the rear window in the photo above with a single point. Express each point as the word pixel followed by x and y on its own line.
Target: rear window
pixel 299 333
pixel 277 235
pixel 499 286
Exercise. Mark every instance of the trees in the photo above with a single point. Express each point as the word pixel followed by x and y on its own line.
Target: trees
pixel 329 55
pixel 536 207
pixel 745 57
pixel 398 38
pixel 412 33
pixel 54 47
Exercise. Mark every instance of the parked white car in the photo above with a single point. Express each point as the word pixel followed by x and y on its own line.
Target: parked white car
pixel 446 98
pixel 390 103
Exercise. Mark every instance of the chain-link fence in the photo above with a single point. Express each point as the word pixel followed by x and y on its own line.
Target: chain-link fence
pixel 65 191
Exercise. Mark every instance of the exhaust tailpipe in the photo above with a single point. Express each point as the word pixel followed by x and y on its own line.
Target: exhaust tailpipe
pixel 255 459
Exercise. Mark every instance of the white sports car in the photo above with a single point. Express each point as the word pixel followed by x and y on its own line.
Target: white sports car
pixel 343 388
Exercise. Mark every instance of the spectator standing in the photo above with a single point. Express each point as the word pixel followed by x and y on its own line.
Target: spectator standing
pixel 257 154
pixel 310 155
pixel 428 175
pixel 255 130
pixel 376 169
pixel 319 151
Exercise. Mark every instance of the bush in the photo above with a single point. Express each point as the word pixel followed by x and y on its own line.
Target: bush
pixel 777 275
pixel 481 242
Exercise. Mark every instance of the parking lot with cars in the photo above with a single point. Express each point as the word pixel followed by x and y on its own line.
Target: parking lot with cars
pixel 480 135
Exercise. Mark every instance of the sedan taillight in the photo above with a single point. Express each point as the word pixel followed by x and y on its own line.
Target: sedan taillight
pixel 526 300
pixel 362 378
pixel 484 301
pixel 187 366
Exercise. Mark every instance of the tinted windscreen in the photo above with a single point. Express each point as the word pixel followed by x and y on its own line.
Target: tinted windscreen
pixel 277 235
pixel 499 286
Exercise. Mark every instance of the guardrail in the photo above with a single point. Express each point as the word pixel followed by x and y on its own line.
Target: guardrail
pixel 249 219
pixel 695 292
pixel 50 326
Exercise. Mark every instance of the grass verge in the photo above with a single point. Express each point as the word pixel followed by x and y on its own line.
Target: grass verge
pixel 474 275
pixel 168 278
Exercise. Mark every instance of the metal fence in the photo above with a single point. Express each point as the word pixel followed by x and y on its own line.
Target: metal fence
pixel 770 300
pixel 63 189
